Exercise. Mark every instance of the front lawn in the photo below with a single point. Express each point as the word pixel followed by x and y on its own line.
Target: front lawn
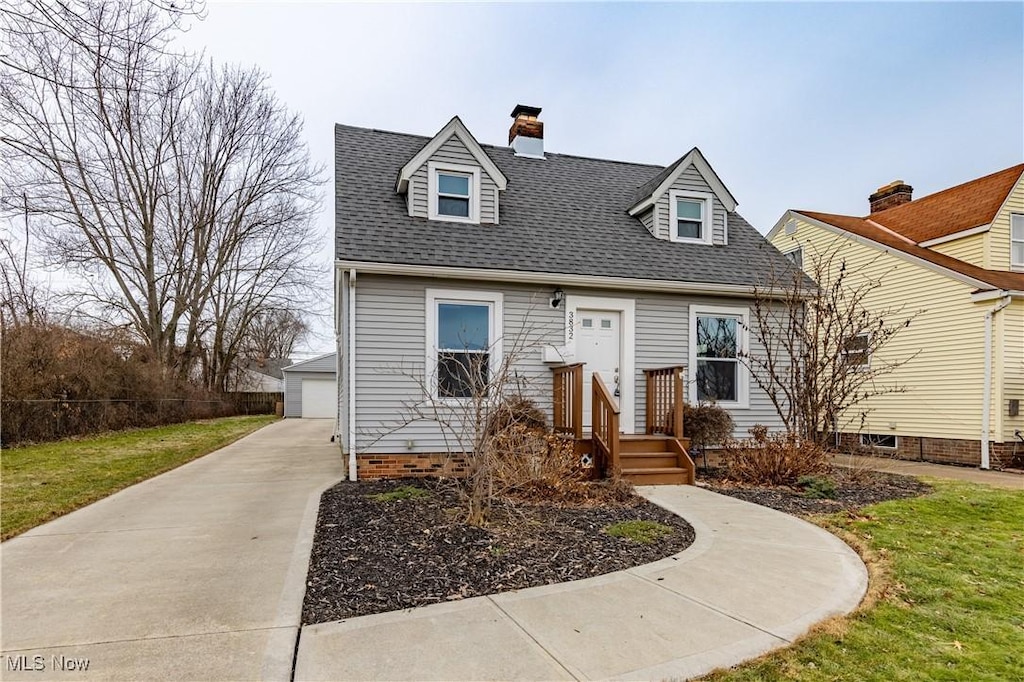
pixel 42 482
pixel 949 594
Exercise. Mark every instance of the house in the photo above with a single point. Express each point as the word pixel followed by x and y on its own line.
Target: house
pixel 259 376
pixel 957 258
pixel 632 282
pixel 311 388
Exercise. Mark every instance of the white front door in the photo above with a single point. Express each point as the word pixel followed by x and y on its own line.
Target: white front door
pixel 598 344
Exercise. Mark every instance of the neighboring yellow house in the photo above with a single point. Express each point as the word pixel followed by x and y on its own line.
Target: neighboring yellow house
pixel 956 258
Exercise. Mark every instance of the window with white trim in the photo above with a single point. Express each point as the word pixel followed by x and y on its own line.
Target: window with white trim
pixel 1017 240
pixel 454 192
pixel 690 217
pixel 463 341
pixel 796 257
pixel 878 440
pixel 857 351
pixel 717 341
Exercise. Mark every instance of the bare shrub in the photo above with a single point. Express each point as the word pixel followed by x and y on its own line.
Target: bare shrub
pixel 774 459
pixel 706 425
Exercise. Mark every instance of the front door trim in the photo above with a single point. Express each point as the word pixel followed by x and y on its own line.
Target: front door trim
pixel 627 347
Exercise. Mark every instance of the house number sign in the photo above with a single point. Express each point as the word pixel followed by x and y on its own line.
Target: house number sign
pixel 570 328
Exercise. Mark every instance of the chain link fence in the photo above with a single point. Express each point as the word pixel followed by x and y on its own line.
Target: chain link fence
pixel 52 419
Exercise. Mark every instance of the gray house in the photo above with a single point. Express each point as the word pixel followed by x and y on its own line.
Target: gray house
pixel 311 388
pixel 614 290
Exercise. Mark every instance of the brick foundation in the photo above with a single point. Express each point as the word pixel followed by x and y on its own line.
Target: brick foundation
pixel 937 450
pixel 409 465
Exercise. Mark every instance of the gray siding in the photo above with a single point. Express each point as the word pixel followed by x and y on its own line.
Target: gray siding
pixel 648 219
pixel 453 151
pixel 391 350
pixel 318 368
pixel 692 180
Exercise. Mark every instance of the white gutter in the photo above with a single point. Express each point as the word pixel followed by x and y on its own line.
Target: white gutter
pixel 352 374
pixel 986 398
pixel 555 279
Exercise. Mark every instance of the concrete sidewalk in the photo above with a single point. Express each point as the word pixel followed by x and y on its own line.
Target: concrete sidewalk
pixel 754 580
pixel 999 479
pixel 196 574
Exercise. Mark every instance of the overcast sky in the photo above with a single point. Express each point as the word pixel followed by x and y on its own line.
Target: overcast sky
pixel 795 105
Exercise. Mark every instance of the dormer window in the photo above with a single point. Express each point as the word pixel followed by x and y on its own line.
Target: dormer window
pixel 690 217
pixel 454 192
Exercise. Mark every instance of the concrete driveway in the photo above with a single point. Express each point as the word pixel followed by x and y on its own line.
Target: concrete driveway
pixel 196 574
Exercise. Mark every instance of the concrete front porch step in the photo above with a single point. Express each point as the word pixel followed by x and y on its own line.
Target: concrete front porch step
pixel 655 476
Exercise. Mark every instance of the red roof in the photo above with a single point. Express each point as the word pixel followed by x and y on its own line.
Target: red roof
pixel 944 213
pixel 952 210
pixel 996 279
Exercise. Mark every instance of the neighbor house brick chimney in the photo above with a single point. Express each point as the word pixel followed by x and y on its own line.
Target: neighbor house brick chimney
pixel 896 193
pixel 526 136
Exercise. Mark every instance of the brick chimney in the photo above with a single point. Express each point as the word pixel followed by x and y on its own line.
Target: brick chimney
pixel 526 136
pixel 896 193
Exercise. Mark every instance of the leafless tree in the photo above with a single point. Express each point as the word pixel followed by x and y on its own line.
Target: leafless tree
pixel 185 189
pixel 273 334
pixel 817 344
pixel 22 300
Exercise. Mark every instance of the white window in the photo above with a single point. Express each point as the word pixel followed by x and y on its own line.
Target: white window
pixel 857 351
pixel 454 192
pixel 1017 240
pixel 717 340
pixel 690 217
pixel 876 440
pixel 463 341
pixel 796 257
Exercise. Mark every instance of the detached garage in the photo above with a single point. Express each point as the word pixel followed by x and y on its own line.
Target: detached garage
pixel 311 388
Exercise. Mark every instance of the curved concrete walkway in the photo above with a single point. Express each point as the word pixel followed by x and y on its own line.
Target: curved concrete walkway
pixel 754 580
pixel 197 574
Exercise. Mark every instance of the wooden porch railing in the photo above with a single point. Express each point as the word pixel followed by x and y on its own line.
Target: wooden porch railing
pixel 568 399
pixel 605 426
pixel 665 401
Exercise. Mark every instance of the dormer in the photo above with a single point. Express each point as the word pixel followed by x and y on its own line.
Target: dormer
pixel 686 203
pixel 452 179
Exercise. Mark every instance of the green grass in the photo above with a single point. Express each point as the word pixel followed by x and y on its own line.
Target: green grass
pixel 644 532
pixel 405 492
pixel 947 592
pixel 42 482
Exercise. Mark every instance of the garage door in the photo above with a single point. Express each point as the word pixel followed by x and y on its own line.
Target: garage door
pixel 319 398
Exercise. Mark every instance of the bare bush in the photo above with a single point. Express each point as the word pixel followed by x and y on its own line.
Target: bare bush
pixel 818 344
pixel 774 458
pixel 59 382
pixel 707 425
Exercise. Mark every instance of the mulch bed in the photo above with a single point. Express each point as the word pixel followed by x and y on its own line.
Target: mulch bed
pixel 853 491
pixel 370 556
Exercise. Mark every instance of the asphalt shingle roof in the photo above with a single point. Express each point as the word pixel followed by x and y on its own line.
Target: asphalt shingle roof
pixel 564 214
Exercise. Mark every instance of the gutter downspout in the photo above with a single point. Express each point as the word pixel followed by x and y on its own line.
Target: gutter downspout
pixel 986 398
pixel 352 475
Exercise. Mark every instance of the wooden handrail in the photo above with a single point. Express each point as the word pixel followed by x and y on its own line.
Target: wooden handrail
pixel 567 382
pixel 665 400
pixel 605 426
